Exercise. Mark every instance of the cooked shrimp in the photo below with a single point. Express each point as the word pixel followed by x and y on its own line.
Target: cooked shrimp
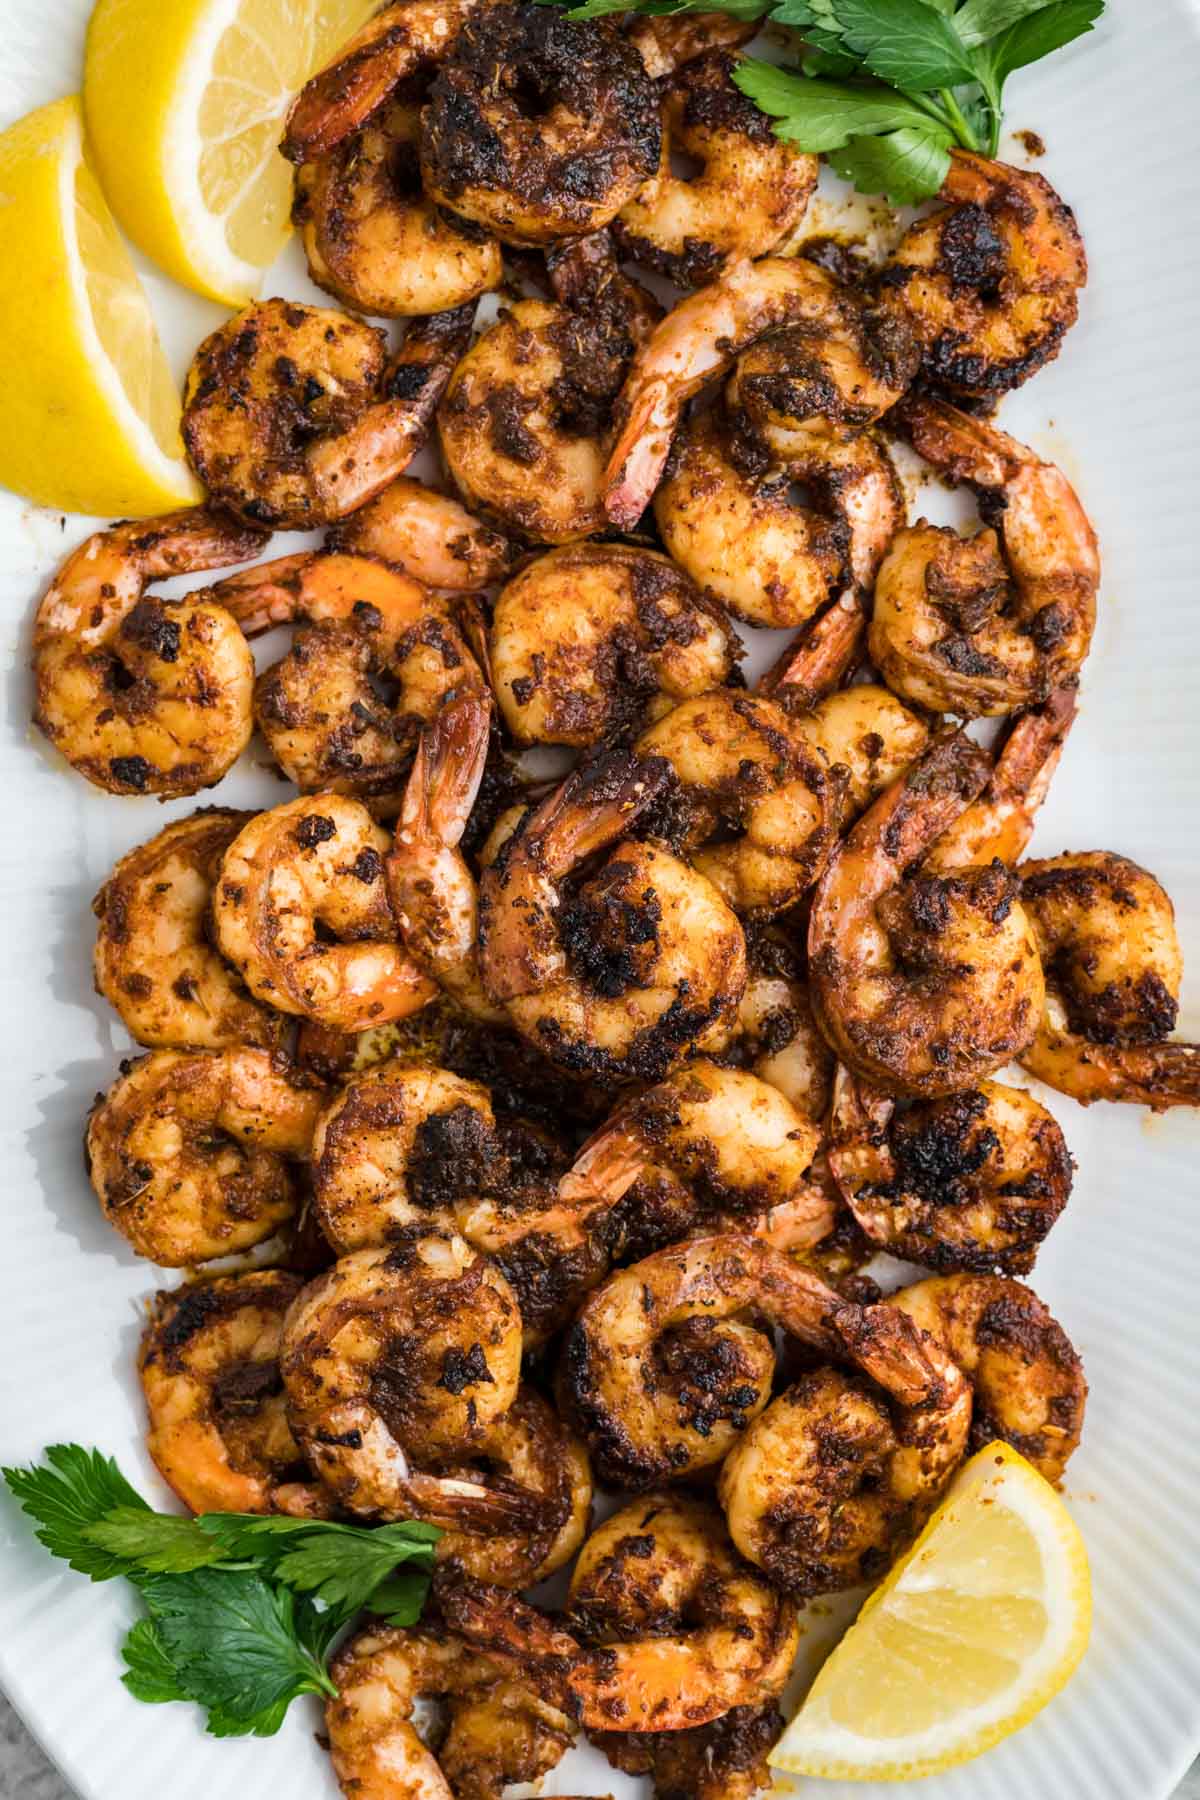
pixel 620 976
pixel 924 983
pixel 666 41
pixel 1001 822
pixel 381 655
pixel 750 189
pixel 725 1760
pixel 698 340
pixel 209 1365
pixel 498 1730
pixel 372 237
pixel 1028 1380
pixel 587 638
pixel 399 1355
pixel 397 1148
pixel 971 1181
pixel 778 1034
pixel 750 780
pixel 292 415
pixel 301 911
pixel 871 735
pixel 841 1471
pixel 145 695
pixel 728 516
pixel 153 960
pixel 991 282
pixel 401 42
pixel 984 624
pixel 686 1630
pixel 431 888
pixel 538 127
pixel 1105 930
pixel 662 1368
pixel 524 418
pixel 826 380
pixel 531 1449
pixel 189 1153
pixel 428 535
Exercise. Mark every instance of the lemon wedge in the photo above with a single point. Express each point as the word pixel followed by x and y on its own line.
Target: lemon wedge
pixel 185 101
pixel 972 1632
pixel 89 413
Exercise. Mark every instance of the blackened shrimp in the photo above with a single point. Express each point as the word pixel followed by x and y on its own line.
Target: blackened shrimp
pixel 144 695
pixel 616 970
pixel 983 624
pixel 991 282
pixel 669 1361
pixel 209 1366
pixel 589 637
pixel 377 658
pixel 699 339
pixel 1001 822
pixel 498 1730
pixel 293 415
pixel 395 1357
pixel 301 911
pixel 761 804
pixel 538 127
pixel 154 961
pixel 374 239
pixel 748 192
pixel 922 982
pixel 972 1181
pixel 699 1633
pixel 1028 1381
pixel 190 1153
pixel 842 1469
pixel 1105 930
pixel 428 535
pixel 431 887
pixel 731 515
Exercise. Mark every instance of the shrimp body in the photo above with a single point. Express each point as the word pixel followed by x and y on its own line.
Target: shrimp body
pixel 726 513
pixel 189 1152
pixel 750 780
pixel 924 983
pixel 499 1731
pixel 153 960
pixel 665 42
pixel 840 1471
pixel 428 535
pixel 372 238
pixel 431 888
pixel 144 695
pixel 401 1355
pixel 699 339
pixel 971 1181
pixel 209 1366
pixel 751 189
pixel 1105 931
pixel 662 1369
pixel 984 624
pixel 870 734
pixel 301 911
pixel 780 1040
pixel 626 973
pixel 589 636
pixel 991 282
pixel 1028 1381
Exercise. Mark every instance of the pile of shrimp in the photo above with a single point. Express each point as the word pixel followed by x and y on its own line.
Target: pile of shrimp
pixel 517 1134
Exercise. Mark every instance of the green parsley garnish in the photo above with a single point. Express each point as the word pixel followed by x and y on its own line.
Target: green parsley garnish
pixel 886 88
pixel 240 1610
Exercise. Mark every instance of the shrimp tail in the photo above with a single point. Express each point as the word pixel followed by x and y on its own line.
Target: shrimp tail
pixel 888 1346
pixel 821 656
pixel 638 456
pixel 266 595
pixel 446 773
pixel 934 792
pixel 485 1511
pixel 960 446
pixel 593 807
pixel 195 537
pixel 505 1626
pixel 342 96
pixel 606 1168
pixel 1033 749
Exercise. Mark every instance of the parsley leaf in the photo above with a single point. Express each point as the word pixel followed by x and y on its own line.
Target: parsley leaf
pixel 905 166
pixel 824 115
pixel 401 1598
pixel 80 1488
pixel 149 1672
pixel 903 42
pixel 154 1543
pixel 978 20
pixel 340 1565
pixel 1029 39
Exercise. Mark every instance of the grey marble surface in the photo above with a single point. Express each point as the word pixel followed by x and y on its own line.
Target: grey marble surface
pixel 26 1775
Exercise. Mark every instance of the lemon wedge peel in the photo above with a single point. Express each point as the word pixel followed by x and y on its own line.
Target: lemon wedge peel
pixel 89 415
pixel 190 160
pixel 946 1618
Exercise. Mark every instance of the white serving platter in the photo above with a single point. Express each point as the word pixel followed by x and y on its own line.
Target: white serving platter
pixel 1120 411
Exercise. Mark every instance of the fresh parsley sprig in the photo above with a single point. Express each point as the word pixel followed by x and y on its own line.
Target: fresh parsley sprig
pixel 886 88
pixel 240 1610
